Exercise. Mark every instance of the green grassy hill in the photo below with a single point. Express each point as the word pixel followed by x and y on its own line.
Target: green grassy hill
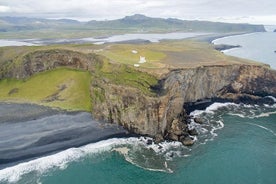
pixel 63 88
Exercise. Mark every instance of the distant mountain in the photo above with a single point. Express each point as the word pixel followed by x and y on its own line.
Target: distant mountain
pixel 142 22
pixel 26 27
pixel 24 23
pixel 25 20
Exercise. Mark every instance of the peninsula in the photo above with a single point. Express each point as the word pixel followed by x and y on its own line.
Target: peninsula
pixel 151 98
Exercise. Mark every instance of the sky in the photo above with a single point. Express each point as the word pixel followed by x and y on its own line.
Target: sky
pixel 245 11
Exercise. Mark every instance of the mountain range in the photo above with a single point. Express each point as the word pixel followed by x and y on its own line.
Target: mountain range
pixel 136 22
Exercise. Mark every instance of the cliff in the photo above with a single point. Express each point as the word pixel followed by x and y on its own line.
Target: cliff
pixel 165 114
pixel 146 101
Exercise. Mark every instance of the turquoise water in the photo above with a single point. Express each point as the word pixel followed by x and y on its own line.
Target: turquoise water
pixel 255 46
pixel 236 144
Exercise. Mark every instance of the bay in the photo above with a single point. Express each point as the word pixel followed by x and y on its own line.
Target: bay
pixel 259 46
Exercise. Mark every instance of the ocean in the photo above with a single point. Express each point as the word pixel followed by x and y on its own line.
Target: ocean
pixel 236 144
pixel 255 46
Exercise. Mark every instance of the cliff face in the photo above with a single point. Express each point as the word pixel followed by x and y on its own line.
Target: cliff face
pixel 43 60
pixel 164 115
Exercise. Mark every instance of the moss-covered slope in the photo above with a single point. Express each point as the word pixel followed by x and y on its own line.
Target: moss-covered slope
pixel 63 88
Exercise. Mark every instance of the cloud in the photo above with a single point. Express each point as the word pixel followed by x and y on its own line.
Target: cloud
pixel 112 9
pixel 4 9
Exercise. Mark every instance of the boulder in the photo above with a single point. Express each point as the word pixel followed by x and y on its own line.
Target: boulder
pixel 173 137
pixel 193 132
pixel 158 138
pixel 187 141
pixel 199 120
pixel 178 132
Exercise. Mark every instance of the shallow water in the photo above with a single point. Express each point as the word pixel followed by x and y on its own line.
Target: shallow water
pixel 5 42
pixel 152 37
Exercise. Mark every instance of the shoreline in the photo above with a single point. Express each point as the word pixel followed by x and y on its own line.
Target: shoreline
pixel 64 138
pixel 212 37
pixel 45 131
pixel 206 37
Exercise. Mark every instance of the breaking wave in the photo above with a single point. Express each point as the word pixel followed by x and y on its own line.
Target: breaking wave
pixel 150 156
pixel 143 152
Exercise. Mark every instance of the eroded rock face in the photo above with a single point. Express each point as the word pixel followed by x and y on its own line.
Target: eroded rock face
pixel 127 106
pixel 43 60
pixel 164 115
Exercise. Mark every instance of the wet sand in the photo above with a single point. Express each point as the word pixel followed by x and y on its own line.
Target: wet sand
pixel 29 131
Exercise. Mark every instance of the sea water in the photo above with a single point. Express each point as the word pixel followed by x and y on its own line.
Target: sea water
pixel 259 46
pixel 236 144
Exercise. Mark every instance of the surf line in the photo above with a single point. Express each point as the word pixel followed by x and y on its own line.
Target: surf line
pixel 124 151
pixel 267 129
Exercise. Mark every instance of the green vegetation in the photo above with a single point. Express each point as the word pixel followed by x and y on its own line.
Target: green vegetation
pixel 71 89
pixel 63 88
pixel 123 53
pixel 122 74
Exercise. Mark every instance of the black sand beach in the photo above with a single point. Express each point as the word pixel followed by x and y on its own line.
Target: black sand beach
pixel 29 131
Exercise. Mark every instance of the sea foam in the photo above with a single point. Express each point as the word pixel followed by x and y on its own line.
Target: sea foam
pixel 61 160
pixel 165 151
pixel 58 160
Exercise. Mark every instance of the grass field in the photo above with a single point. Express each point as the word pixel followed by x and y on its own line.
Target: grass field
pixel 128 76
pixel 123 53
pixel 70 89
pixel 63 88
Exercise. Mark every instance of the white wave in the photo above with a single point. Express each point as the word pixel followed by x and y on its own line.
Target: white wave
pixel 267 114
pixel 61 160
pixel 207 131
pixel 164 146
pixel 260 126
pixel 253 114
pixel 212 108
pixel 166 169
pixel 58 160
pixel 237 114
pixel 273 98
pixel 229 50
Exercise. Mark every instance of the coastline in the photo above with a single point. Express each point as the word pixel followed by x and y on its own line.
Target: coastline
pixel 87 131
pixel 210 38
pixel 42 135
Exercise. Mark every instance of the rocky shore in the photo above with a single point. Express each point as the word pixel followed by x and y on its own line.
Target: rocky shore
pixel 222 47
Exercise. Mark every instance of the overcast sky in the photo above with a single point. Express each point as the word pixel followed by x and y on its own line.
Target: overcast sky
pixel 252 11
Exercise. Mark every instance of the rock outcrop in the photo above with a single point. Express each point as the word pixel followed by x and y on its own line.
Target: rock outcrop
pixel 43 60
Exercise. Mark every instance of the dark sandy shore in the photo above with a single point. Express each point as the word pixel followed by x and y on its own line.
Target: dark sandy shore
pixel 29 131
pixel 211 37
